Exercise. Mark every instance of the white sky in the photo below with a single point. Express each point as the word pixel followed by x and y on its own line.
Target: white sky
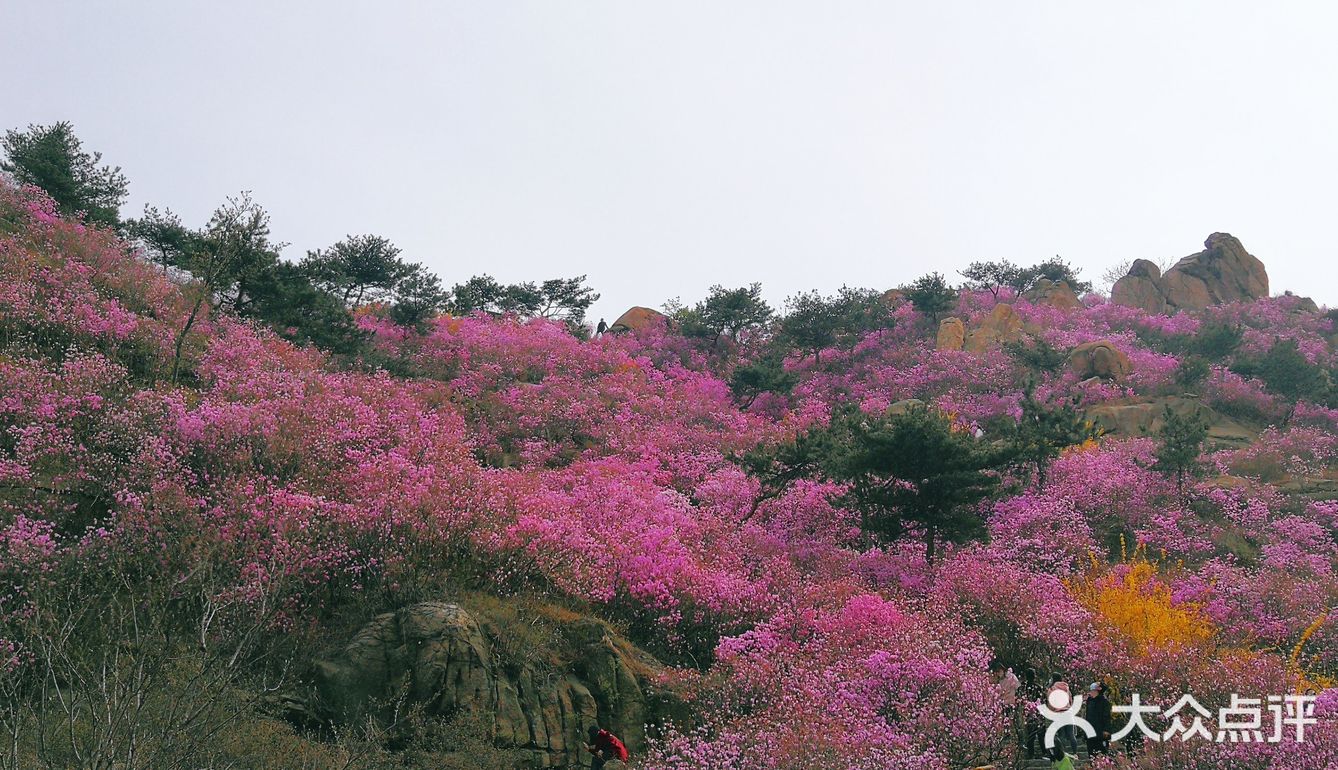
pixel 664 147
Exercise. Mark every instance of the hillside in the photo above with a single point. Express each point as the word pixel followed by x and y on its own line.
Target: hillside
pixel 200 519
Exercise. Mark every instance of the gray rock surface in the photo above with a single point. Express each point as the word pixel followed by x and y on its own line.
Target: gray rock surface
pixel 1146 416
pixel 447 661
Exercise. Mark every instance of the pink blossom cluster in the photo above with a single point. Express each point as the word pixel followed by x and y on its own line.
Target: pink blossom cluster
pixel 854 679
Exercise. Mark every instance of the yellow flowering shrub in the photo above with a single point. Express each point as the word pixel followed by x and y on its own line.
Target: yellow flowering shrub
pixel 1131 600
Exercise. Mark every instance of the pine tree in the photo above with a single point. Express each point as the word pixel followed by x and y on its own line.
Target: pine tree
pixel 917 470
pixel 1043 431
pixel 53 158
pixel 1180 442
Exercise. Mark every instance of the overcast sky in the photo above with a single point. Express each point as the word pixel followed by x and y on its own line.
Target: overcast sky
pixel 664 147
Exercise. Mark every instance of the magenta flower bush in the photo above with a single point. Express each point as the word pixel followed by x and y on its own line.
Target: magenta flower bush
pixel 862 683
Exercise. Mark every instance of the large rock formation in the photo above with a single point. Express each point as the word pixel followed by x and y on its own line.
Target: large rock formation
pixel 951 334
pixel 1143 417
pixel 1003 324
pixel 1099 358
pixel 636 319
pixel 1053 293
pixel 540 706
pixel 1223 272
pixel 894 297
pixel 1140 288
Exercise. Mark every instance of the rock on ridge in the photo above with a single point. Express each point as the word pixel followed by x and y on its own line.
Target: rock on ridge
pixel 1223 272
pixel 1053 293
pixel 1099 358
pixel 636 319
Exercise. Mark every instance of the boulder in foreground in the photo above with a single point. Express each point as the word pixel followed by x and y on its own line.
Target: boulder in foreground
pixel 451 664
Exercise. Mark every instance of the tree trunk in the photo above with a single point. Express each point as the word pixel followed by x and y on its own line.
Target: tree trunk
pixel 181 336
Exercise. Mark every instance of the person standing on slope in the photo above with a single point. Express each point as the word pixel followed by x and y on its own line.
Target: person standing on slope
pixel 1008 685
pixel 605 746
pixel 1066 733
pixel 1098 714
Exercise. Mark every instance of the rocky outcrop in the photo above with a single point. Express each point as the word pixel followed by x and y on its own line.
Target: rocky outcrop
pixel 1003 324
pixel 1298 304
pixel 951 334
pixel 1223 272
pixel 904 406
pixel 1140 288
pixel 449 664
pixel 1053 293
pixel 1099 358
pixel 636 319
pixel 1142 417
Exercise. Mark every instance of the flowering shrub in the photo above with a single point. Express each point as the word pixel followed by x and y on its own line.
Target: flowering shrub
pixel 1138 606
pixel 534 394
pixel 274 485
pixel 1024 530
pixel 1231 394
pixel 1030 618
pixel 67 285
pixel 975 387
pixel 863 684
pixel 606 531
pixel 1302 451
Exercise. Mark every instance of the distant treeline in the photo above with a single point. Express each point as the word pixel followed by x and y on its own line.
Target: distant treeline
pixel 236 257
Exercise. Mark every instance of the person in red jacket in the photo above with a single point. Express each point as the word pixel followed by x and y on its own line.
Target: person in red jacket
pixel 605 746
